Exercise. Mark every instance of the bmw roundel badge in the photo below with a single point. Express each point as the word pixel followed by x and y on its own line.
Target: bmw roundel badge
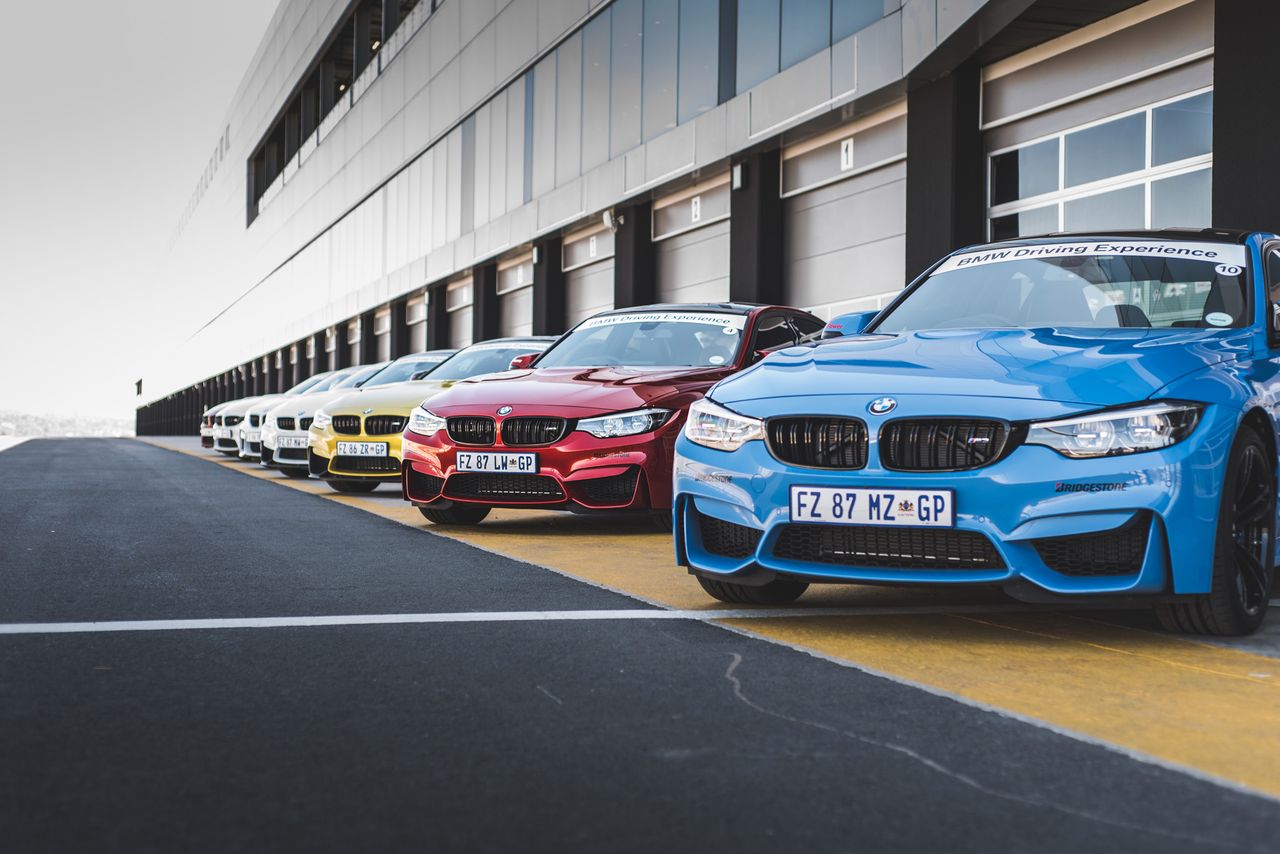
pixel 368 411
pixel 882 406
pixel 505 410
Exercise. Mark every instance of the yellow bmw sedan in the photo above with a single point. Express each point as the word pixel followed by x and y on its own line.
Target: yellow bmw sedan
pixel 354 441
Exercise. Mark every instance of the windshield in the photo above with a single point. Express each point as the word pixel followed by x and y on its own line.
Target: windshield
pixel 650 339
pixel 404 368
pixel 483 359
pixel 1142 284
pixel 307 384
pixel 357 378
pixel 331 380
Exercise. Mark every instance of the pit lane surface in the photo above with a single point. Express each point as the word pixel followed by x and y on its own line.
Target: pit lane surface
pixel 497 723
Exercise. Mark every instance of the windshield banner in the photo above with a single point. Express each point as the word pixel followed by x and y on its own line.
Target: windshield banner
pixel 1229 257
pixel 728 322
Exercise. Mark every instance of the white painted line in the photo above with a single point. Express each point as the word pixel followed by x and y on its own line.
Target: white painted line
pixel 470 617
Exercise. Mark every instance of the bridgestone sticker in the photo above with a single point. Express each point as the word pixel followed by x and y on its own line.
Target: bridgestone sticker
pixel 730 324
pixel 1223 255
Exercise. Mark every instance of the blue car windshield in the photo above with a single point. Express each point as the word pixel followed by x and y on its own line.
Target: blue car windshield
pixel 1106 285
pixel 684 339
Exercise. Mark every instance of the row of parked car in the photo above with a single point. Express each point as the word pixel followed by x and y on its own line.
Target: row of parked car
pixel 1075 417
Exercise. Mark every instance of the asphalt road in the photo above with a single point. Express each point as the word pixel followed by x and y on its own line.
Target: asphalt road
pixel 499 732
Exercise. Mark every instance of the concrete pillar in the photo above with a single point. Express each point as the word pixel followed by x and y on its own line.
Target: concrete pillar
pixel 549 314
pixel 755 230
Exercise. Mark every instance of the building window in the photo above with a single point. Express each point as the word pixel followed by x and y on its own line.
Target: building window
pixel 1151 168
pixel 759 41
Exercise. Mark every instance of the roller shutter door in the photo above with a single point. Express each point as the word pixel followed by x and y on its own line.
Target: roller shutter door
pixel 691 244
pixel 515 295
pixel 458 305
pixel 844 214
pixel 1108 128
pixel 588 267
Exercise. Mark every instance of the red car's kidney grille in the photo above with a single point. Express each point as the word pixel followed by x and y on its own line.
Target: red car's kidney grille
pixel 472 430
pixel 533 430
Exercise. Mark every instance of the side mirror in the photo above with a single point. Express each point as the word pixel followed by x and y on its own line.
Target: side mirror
pixel 849 324
pixel 525 360
pixel 1275 317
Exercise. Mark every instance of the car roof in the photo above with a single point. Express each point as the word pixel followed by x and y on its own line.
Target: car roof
pixel 1212 235
pixel 727 307
pixel 444 352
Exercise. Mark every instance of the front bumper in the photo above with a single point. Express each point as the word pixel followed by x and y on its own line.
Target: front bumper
pixel 325 463
pixel 1054 522
pixel 579 472
pixel 249 443
pixel 274 456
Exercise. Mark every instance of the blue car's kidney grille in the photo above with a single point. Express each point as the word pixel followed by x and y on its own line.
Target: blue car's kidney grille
pixel 887 547
pixel 942 444
pixel 819 441
pixel 1118 552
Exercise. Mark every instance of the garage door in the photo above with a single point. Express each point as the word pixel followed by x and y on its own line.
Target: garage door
pixel 588 266
pixel 691 244
pixel 844 213
pixel 457 303
pixel 515 295
pixel 1109 128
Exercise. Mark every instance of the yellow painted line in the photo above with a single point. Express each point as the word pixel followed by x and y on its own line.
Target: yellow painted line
pixel 1210 710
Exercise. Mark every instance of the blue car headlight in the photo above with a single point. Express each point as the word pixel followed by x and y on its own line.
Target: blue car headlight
pixel 424 422
pixel 713 426
pixel 630 423
pixel 1145 427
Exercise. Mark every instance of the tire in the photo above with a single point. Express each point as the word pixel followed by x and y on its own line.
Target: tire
pixel 295 471
pixel 1244 550
pixel 352 486
pixel 780 591
pixel 458 514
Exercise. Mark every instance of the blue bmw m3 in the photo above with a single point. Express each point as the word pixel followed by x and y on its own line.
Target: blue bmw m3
pixel 1074 416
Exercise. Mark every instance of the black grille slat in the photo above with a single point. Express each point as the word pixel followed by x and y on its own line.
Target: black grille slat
pixel 942 444
pixel 606 491
pixel 378 465
pixel 472 430
pixel 504 487
pixel 527 431
pixel 284 424
pixel 882 547
pixel 347 425
pixel 384 425
pixel 305 424
pixel 255 447
pixel 727 539
pixel 1118 552
pixel 291 453
pixel 819 441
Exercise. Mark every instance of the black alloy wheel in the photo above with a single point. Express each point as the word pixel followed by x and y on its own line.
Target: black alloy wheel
pixel 1244 552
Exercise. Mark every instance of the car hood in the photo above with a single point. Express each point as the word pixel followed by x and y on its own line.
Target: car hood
pixel 302 405
pixel 239 407
pixel 1077 366
pixel 393 399
pixel 578 392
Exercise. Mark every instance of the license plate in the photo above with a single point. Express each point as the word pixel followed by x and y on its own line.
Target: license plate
pixel 917 508
pixel 222 432
pixel 504 463
pixel 252 436
pixel 294 442
pixel 362 449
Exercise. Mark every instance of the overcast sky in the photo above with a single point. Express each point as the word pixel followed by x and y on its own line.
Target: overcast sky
pixel 108 114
